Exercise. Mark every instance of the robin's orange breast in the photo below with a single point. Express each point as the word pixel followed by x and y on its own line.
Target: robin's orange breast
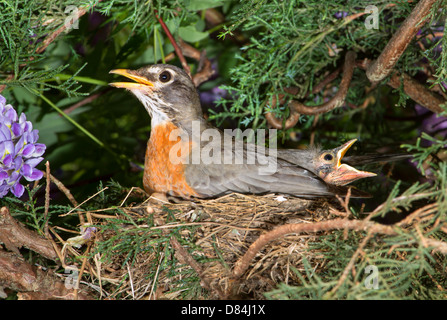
pixel 161 174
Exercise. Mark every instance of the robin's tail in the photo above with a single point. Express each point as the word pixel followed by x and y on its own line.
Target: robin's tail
pixel 359 160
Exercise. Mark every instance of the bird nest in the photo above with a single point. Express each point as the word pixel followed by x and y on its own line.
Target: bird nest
pixel 204 239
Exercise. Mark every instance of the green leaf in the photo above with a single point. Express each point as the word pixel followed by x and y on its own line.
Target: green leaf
pixel 195 5
pixel 190 34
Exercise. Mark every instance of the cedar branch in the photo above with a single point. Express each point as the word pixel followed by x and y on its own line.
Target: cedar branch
pixel 177 49
pixel 297 108
pixel 14 235
pixel 336 224
pixel 32 283
pixel 384 65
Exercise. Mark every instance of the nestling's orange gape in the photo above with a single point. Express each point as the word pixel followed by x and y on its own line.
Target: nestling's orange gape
pixel 160 174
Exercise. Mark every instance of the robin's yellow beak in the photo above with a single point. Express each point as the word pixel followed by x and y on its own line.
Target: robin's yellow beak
pixel 141 82
pixel 343 174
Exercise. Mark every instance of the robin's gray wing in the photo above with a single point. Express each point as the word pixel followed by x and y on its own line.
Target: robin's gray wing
pixel 301 157
pixel 220 164
pixel 250 171
pixel 213 180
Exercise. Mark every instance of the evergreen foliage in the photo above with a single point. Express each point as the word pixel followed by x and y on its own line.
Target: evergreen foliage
pixel 262 48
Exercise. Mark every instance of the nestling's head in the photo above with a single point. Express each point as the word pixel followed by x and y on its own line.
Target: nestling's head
pixel 329 167
pixel 166 92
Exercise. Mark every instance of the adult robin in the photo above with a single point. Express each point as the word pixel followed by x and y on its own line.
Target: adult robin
pixel 187 157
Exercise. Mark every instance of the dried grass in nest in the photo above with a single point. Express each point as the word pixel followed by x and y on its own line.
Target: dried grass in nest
pixel 225 228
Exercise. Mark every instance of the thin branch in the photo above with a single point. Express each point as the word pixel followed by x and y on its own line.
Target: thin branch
pixel 186 258
pixel 64 189
pixel 351 262
pixel 86 100
pixel 338 99
pixel 32 283
pixel 205 70
pixel 14 236
pixel 336 224
pixel 47 197
pixel 418 92
pixel 88 199
pixel 52 36
pixel 293 118
pixel 297 108
pixel 177 49
pixel 328 79
pixel 384 65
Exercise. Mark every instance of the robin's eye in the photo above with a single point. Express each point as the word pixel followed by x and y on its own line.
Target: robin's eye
pixel 165 76
pixel 328 157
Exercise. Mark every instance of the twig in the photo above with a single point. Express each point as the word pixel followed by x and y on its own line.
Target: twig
pixel 183 49
pixel 14 236
pixel 297 108
pixel 338 99
pixel 417 92
pixel 62 188
pixel 174 44
pixel 88 199
pixel 345 203
pixel 384 65
pixel 186 258
pixel 291 121
pixel 81 272
pixel 351 262
pixel 130 280
pixel 204 70
pixel 152 294
pixel 398 199
pixel 425 210
pixel 50 38
pixel 32 283
pixel 336 224
pixel 86 101
pixel 47 198
pixel 331 77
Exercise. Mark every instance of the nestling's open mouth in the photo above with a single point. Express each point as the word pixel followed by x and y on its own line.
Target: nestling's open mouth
pixel 344 174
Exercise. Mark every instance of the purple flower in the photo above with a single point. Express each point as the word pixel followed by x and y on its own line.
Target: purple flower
pixel 88 233
pixel 212 96
pixel 340 14
pixel 19 151
pixel 432 124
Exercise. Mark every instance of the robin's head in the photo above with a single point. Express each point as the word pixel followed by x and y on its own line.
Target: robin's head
pixel 166 92
pixel 328 165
